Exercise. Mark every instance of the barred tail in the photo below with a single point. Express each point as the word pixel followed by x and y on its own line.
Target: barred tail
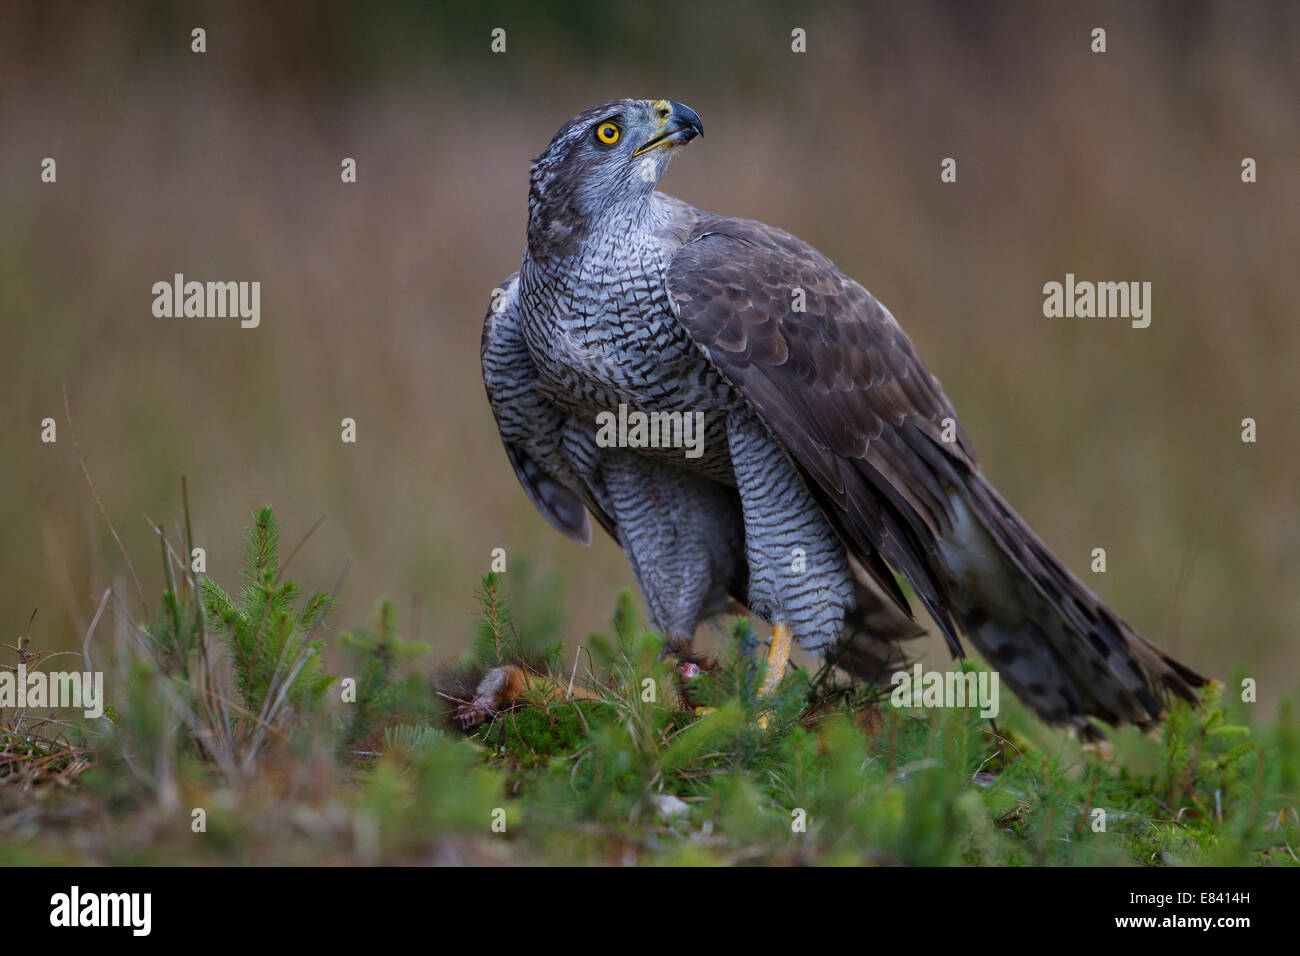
pixel 1062 651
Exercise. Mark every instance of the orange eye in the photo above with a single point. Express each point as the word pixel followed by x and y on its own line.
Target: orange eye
pixel 608 133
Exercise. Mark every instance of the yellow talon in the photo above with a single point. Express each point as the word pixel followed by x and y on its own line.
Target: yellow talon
pixel 778 655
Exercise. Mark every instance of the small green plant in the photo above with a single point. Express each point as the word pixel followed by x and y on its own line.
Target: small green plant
pixel 497 639
pixel 233 672
pixel 275 660
pixel 408 739
pixel 376 655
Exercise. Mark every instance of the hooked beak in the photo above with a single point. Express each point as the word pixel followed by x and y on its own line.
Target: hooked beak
pixel 680 126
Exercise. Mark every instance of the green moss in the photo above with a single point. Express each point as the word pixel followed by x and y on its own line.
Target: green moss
pixel 532 736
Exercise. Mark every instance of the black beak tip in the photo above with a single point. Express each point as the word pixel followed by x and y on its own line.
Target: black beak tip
pixel 686 118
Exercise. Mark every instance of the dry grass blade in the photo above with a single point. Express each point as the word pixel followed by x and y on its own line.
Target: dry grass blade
pixel 67 411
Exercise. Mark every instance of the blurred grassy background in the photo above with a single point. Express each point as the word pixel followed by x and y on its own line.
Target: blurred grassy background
pixel 225 166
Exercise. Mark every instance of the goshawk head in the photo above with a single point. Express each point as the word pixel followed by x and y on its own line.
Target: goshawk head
pixel 600 165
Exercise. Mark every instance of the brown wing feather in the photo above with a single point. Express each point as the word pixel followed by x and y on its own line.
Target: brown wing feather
pixel 842 387
pixel 838 383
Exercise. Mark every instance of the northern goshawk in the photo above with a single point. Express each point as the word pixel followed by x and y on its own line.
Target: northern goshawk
pixel 830 456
